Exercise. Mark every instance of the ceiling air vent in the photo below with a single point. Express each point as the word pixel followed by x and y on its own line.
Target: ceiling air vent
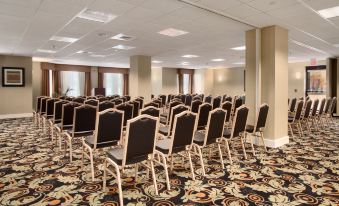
pixel 123 37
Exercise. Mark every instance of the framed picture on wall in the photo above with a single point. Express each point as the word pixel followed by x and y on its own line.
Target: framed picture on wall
pixel 13 77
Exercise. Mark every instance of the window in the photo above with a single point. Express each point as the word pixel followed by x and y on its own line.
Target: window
pixel 316 81
pixel 114 83
pixel 186 84
pixel 74 82
pixel 50 82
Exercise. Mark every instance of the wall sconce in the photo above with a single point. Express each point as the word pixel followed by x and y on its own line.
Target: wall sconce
pixel 298 75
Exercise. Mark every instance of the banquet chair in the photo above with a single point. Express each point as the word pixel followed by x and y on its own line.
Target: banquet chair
pixel 79 100
pixel 166 116
pixel 188 100
pixel 105 105
pixel 295 120
pixel 150 110
pixel 216 102
pixel 208 99
pixel 313 113
pixel 203 113
pixel 152 104
pixel 117 101
pixel 320 112
pixel 227 106
pixel 36 112
pixel 92 102
pixel 57 116
pixel 128 111
pixel 42 112
pixel 166 130
pixel 49 113
pixel 195 106
pixel 136 108
pixel 141 102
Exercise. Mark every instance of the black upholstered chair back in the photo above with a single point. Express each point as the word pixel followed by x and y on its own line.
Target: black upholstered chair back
pixel 238 102
pixel 215 124
pixel 136 108
pixel 307 109
pixel 333 105
pixel 68 113
pixel 69 98
pixel 38 104
pixel 92 102
pixel 141 102
pixel 109 125
pixel 84 118
pixel 204 110
pixel 228 99
pixel 292 104
pixel 58 109
pixel 102 99
pixel 169 98
pixel 141 133
pixel 227 106
pixel 240 120
pixel 182 97
pixel 105 105
pixel 216 102
pixel 128 111
pixel 322 105
pixel 117 101
pixel 150 110
pixel 183 130
pixel 163 99
pixel 328 105
pixel 171 105
pixel 224 97
pixel 90 97
pixel 262 117
pixel 158 101
pixel 152 104
pixel 50 106
pixel 195 106
pixel 127 97
pixel 79 100
pixel 197 98
pixel 208 99
pixel 298 110
pixel 175 111
pixel 43 105
pixel 315 107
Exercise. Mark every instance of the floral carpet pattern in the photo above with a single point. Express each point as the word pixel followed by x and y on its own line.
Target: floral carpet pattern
pixel 33 171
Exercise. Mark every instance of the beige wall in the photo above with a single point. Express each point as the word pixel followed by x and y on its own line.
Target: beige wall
pixel 36 81
pixel 16 100
pixel 228 81
pixel 169 81
pixel 296 78
pixel 156 81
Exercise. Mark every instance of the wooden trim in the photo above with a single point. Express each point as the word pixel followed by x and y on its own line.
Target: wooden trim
pixel 64 67
pixel 185 71
pixel 113 70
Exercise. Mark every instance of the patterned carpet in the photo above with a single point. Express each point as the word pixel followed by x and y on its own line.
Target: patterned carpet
pixel 34 172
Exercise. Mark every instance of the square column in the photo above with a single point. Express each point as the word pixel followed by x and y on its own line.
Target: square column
pixel 140 77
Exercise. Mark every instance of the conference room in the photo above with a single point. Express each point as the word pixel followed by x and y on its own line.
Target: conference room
pixel 169 102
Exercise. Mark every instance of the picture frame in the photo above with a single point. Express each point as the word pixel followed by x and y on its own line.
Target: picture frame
pixel 13 77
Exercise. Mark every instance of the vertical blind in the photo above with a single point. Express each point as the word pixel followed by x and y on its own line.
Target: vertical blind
pixel 114 83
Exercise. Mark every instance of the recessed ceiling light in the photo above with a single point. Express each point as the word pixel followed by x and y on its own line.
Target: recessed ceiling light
pixel 83 52
pixel 240 48
pixel 46 51
pixel 239 63
pixel 97 55
pixel 96 16
pixel 123 37
pixel 218 60
pixel 156 62
pixel 172 32
pixel 330 12
pixel 190 56
pixel 123 47
pixel 185 63
pixel 63 39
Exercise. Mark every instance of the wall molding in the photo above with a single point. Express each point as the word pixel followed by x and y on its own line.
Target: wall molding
pixel 272 143
pixel 11 116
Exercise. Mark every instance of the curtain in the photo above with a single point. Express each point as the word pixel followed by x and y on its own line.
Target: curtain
pixel 73 82
pixel 88 83
pixel 45 82
pixel 56 84
pixel 180 80
pixel 126 84
pixel 100 80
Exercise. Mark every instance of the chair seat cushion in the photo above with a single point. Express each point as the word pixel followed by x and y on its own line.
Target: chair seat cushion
pixel 163 130
pixel 89 140
pixel 79 134
pixel 199 138
pixel 163 145
pixel 249 128
pixel 227 133
pixel 116 155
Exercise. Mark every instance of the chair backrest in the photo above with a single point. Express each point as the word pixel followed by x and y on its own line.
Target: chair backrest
pixel 216 102
pixel 69 98
pixel 92 102
pixel 102 99
pixel 90 97
pixel 117 101
pixel 195 105
pixel 215 125
pixel 238 102
pixel 228 99
pixel 188 100
pixel 58 110
pixel 307 109
pixel 38 103
pixel 127 97
pixel 50 106
pixel 333 105
pixel 195 98
pixel 163 99
pixel 261 118
pixel 128 111
pixel 322 105
pixel 68 113
pixel 152 104
pixel 150 110
pixel 184 127
pixel 105 105
pixel 292 104
pixel 43 103
pixel 158 101
pixel 227 106
pixel 208 99
pixel 298 110
pixel 84 119
pixel 204 110
pixel 108 126
pixel 79 100
pixel 182 97
pixel 240 120
pixel 224 97
pixel 176 110
pixel 315 107
pixel 328 105
pixel 169 98
pixel 136 108
pixel 141 102
pixel 140 139
pixel 171 105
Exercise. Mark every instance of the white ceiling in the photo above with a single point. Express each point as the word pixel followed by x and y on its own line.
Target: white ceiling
pixel 27 25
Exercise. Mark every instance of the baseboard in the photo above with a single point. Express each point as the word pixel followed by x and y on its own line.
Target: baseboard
pixel 11 116
pixel 272 143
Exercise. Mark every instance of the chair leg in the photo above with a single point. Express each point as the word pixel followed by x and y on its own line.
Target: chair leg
pixel 251 139
pixel 92 163
pixel 70 151
pixel 136 169
pixel 301 129
pixel 121 200
pixel 263 140
pixel 171 166
pixel 104 176
pixel 153 177
pixel 201 161
pixel 191 165
pixel 290 126
pixel 243 147
pixel 166 172
pixel 229 152
pixel 221 159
